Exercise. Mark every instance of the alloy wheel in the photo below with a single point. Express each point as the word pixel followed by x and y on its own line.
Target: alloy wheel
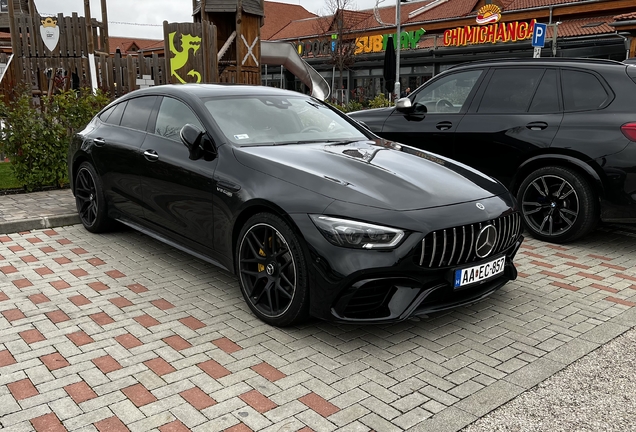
pixel 86 197
pixel 550 205
pixel 267 270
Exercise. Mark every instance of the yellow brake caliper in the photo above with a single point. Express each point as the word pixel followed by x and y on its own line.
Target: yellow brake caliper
pixel 261 267
pixel 261 252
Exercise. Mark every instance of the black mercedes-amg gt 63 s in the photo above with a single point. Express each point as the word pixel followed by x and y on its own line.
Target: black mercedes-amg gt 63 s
pixel 315 214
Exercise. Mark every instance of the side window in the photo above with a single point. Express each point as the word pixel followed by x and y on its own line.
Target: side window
pixel 138 112
pixel 173 115
pixel 546 99
pixel 448 94
pixel 510 91
pixel 114 114
pixel 582 91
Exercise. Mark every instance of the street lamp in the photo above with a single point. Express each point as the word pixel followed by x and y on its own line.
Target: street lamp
pixel 398 22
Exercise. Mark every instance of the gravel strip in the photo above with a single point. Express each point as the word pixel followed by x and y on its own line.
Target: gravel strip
pixel 596 393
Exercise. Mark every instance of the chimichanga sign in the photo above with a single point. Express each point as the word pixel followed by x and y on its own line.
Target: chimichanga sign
pixel 489 29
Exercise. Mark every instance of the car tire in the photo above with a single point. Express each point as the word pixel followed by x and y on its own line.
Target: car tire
pixel 90 200
pixel 557 204
pixel 272 271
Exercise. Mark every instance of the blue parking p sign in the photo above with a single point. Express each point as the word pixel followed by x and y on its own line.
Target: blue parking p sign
pixel 538 35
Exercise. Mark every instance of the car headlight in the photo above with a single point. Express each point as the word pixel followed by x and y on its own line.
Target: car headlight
pixel 359 235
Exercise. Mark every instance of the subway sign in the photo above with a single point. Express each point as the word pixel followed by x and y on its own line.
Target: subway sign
pixel 363 44
pixel 489 29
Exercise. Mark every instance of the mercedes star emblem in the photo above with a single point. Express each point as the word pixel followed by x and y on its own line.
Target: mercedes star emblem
pixel 270 269
pixel 486 241
pixel 480 206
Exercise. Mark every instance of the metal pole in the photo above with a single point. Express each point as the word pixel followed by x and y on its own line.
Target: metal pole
pixel 398 38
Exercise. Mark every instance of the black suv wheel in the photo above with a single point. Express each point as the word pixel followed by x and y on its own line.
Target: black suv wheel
pixel 557 205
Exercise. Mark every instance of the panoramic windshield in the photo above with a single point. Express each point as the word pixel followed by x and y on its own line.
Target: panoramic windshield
pixel 276 120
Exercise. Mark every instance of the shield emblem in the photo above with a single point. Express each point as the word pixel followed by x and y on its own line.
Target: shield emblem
pixel 50 33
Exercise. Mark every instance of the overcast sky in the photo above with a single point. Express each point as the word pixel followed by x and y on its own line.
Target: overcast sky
pixel 154 12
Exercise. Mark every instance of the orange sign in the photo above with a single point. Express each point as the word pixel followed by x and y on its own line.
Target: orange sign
pixel 488 14
pixel 493 33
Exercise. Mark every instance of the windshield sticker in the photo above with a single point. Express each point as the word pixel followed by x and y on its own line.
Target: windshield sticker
pixel 241 136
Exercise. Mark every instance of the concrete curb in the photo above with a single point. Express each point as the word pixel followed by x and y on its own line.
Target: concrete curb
pixel 10 227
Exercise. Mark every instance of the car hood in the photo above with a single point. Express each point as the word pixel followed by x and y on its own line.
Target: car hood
pixel 378 173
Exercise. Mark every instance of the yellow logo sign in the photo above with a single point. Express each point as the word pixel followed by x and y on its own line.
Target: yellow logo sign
pixel 188 42
pixel 488 14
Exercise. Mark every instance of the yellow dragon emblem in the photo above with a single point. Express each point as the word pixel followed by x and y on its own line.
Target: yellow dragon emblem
pixel 188 42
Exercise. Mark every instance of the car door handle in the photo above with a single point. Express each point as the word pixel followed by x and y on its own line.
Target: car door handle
pixel 445 125
pixel 228 186
pixel 151 155
pixel 536 126
pixel 99 142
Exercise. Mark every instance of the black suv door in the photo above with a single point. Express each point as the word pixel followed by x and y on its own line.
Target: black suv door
pixel 446 100
pixel 516 112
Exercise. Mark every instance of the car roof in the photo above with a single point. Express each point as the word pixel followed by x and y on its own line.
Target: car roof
pixel 211 90
pixel 543 61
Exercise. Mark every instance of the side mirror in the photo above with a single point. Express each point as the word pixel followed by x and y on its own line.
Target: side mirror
pixel 192 138
pixel 405 106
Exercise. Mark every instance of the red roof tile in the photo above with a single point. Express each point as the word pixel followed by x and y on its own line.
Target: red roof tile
pixel 446 9
pixel 585 26
pixel 125 44
pixel 279 15
pixel 526 4
pixel 627 16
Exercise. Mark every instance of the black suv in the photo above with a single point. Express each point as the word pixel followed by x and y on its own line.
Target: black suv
pixel 559 133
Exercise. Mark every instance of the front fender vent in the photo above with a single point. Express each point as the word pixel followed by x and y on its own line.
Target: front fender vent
pixel 455 246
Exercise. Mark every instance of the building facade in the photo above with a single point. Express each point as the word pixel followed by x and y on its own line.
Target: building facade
pixel 437 34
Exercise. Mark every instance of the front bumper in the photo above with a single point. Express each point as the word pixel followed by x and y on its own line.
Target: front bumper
pixel 373 286
pixel 391 299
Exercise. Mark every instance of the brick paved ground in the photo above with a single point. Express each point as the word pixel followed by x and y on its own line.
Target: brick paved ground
pixel 119 332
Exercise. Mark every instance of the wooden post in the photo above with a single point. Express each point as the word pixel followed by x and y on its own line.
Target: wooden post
pixel 239 42
pixel 32 9
pixel 106 47
pixel 89 27
pixel 206 37
pixel 12 29
pixel 15 44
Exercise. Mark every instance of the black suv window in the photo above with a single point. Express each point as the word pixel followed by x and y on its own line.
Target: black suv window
pixel 448 94
pixel 582 91
pixel 138 112
pixel 510 90
pixel 113 114
pixel 173 115
pixel 546 99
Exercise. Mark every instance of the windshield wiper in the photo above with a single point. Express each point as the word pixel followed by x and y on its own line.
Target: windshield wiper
pixel 345 142
pixel 329 141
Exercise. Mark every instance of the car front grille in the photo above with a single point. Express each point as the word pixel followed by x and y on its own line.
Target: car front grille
pixel 454 246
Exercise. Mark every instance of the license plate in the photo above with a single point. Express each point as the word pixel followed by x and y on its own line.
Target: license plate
pixel 479 273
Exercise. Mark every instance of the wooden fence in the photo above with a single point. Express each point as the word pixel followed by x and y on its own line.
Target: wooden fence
pixel 190 49
pixel 67 66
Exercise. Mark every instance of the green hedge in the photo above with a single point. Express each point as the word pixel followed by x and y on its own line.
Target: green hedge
pixel 35 138
pixel 378 102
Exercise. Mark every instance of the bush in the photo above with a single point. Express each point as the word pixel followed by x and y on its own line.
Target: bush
pixel 380 101
pixel 36 138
